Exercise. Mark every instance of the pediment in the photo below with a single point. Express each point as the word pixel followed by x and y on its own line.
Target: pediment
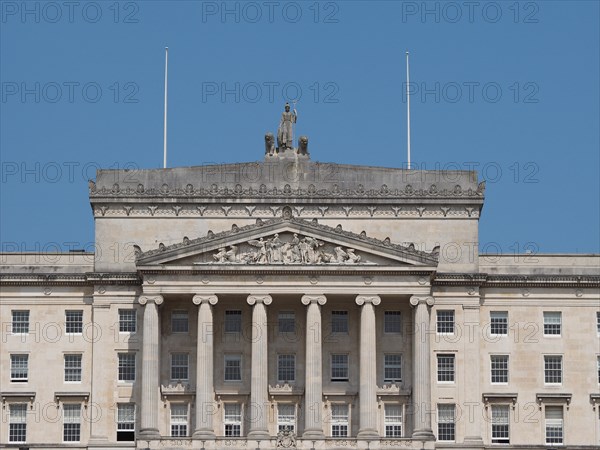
pixel 291 242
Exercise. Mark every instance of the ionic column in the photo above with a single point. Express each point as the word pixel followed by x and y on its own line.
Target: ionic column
pixel 368 367
pixel 205 396
pixel 150 366
pixel 259 393
pixel 421 369
pixel 313 411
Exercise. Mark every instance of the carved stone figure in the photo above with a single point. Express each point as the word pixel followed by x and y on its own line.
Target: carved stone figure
pixel 221 256
pixel 269 144
pixel 340 255
pixel 353 258
pixel 303 145
pixel 285 131
pixel 286 438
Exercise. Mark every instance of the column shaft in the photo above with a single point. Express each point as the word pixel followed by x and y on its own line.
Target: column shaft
pixel 259 394
pixel 205 397
pixel 313 411
pixel 368 367
pixel 421 370
pixel 150 367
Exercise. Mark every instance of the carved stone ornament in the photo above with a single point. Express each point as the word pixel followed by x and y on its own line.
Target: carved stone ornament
pixel 287 249
pixel 286 438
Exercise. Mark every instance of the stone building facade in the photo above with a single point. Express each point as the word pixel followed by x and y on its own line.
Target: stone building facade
pixel 294 304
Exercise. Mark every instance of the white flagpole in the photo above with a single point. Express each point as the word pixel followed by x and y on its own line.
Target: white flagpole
pixel 165 125
pixel 408 110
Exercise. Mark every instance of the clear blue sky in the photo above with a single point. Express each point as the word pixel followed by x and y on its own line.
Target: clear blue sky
pixel 509 88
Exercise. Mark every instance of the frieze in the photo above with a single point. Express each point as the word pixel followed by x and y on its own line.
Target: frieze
pixel 264 191
pixel 219 211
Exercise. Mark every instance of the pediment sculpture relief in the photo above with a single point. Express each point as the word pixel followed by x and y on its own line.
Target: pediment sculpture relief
pixel 287 249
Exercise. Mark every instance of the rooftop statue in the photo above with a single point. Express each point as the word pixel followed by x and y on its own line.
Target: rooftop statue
pixel 285 132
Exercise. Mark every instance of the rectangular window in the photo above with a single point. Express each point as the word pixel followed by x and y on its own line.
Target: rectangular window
pixel 286 368
pixel 552 323
pixel 287 322
pixel 20 322
pixel 552 369
pixel 180 322
pixel 598 363
pixel 499 368
pixel 339 367
pixel 392 367
pixel 73 368
pixel 125 422
pixel 500 431
pixel 127 321
pixel 126 367
pixel 499 323
pixel 445 322
pixel 339 421
pixel 339 321
pixel 233 420
pixel 286 417
pixel 180 366
pixel 445 368
pixel 598 323
pixel 72 422
pixel 554 425
pixel 446 425
pixel 179 420
pixel 393 421
pixel 392 322
pixel 17 428
pixel 233 321
pixel 233 367
pixel 19 368
pixel 74 322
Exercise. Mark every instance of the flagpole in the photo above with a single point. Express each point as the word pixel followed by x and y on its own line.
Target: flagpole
pixel 408 110
pixel 165 114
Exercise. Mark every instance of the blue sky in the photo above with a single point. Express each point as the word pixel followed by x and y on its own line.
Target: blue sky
pixel 508 88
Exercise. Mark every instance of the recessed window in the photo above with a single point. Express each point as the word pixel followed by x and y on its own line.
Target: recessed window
pixel 19 368
pixel 72 422
pixel 393 421
pixel 598 323
pixel 340 425
pixel 233 321
pixel 17 423
pixel 552 369
pixel 127 321
pixel 180 366
pixel 232 420
pixel 445 322
pixel 126 367
pixel 286 368
pixel 499 369
pixel 392 322
pixel 339 367
pixel 125 422
pixel 554 424
pixel 180 322
pixel 598 363
pixel 552 323
pixel 287 322
pixel 445 368
pixel 339 321
pixel 73 368
pixel 392 367
pixel 20 322
pixel 74 322
pixel 500 423
pixel 446 422
pixel 499 323
pixel 233 367
pixel 286 417
pixel 179 419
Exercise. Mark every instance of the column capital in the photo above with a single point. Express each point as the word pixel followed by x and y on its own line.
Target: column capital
pixel 319 299
pixel 264 299
pixel 158 299
pixel 373 299
pixel 416 299
pixel 211 299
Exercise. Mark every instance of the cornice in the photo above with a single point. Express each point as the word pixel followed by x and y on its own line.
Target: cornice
pixel 530 281
pixel 70 279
